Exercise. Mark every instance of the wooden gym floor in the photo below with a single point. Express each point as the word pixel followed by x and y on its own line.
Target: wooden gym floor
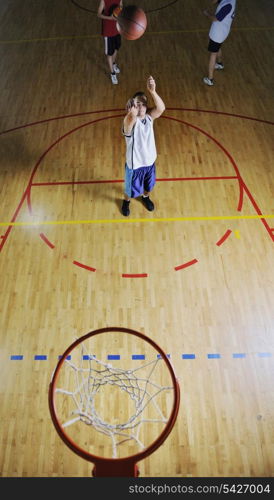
pixel 196 275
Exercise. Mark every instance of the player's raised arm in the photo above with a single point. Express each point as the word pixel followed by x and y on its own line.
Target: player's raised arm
pixel 131 116
pixel 159 105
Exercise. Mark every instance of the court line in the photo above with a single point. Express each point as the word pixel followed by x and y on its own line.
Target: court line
pixel 124 220
pixel 45 239
pixel 224 237
pixel 242 185
pixel 75 115
pixel 188 356
pixel 186 264
pixel 135 275
pixel 112 181
pixel 87 37
pixel 27 191
pixel 84 266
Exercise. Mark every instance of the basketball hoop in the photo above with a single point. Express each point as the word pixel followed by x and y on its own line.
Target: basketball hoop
pixel 128 412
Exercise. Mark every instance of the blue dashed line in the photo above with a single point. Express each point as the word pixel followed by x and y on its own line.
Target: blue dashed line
pixel 235 355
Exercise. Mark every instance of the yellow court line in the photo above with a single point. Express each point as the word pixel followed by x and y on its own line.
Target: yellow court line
pixel 86 37
pixel 237 234
pixel 156 219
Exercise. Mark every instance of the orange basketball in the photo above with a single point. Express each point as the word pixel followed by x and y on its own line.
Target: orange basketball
pixel 131 22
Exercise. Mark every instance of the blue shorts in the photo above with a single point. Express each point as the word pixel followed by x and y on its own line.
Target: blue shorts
pixel 139 180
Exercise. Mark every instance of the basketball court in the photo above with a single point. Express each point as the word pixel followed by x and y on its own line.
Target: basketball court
pixel 195 276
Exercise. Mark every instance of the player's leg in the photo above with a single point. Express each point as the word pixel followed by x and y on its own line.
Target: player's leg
pixel 138 182
pixel 219 62
pixel 109 51
pixel 149 183
pixel 211 64
pixel 117 44
pixel 213 49
pixel 127 190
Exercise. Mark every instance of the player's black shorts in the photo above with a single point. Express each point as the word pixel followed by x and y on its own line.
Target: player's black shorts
pixel 213 46
pixel 112 43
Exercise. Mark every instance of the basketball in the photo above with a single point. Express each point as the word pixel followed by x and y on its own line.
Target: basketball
pixel 131 22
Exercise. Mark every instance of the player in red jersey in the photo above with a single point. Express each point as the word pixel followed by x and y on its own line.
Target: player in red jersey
pixel 112 38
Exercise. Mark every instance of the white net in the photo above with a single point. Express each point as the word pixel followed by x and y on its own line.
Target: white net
pixel 121 405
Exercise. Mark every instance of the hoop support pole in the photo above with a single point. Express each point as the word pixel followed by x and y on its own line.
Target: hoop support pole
pixel 115 469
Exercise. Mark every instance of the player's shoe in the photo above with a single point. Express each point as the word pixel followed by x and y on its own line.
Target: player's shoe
pixel 116 68
pixel 125 208
pixel 219 65
pixel 148 203
pixel 114 78
pixel 208 81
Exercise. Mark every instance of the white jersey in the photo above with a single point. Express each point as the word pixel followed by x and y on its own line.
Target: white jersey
pixel 219 30
pixel 141 148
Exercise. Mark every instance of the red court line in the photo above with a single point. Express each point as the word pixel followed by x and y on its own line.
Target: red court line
pixel 244 189
pixel 84 266
pixel 241 196
pixel 105 181
pixel 144 275
pixel 232 161
pixel 53 145
pixel 64 183
pixel 259 212
pixel 45 239
pixel 26 194
pixel 64 117
pixel 75 115
pixel 212 178
pixel 224 237
pixel 6 234
pixel 186 264
pixel 233 115
pixel 243 186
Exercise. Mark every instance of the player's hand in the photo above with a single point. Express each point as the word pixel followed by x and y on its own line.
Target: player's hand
pixel 151 84
pixel 131 107
pixel 116 12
